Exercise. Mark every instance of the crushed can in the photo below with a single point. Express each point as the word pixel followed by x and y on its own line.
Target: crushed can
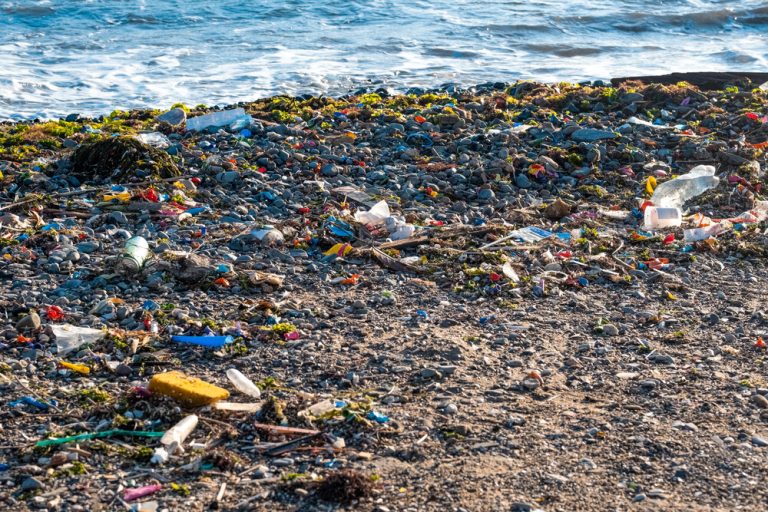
pixel 135 253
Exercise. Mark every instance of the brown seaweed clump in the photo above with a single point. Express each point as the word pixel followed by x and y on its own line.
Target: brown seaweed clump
pixel 119 159
pixel 344 486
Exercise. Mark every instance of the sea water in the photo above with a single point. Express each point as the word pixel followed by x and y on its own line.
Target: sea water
pixel 93 56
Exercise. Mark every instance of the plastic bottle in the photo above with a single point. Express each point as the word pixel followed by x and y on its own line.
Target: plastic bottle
pixel 242 383
pixel 173 438
pixel 675 193
pixel 235 118
pixel 657 218
pixel 134 255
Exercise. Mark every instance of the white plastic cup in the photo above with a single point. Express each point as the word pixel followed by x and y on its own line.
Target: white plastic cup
pixel 657 218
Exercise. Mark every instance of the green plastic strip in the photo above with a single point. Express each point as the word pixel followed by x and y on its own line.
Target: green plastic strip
pixel 97 435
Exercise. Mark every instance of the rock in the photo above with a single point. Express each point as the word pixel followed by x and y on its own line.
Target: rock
pixel 610 330
pixel 530 384
pixel 759 441
pixel 661 358
pixel 760 401
pixel 522 181
pixel 557 209
pixel 123 370
pixel 30 322
pixel 31 484
pixel 450 409
pixel 486 194
pixel 174 117
pixel 429 373
pixel 591 135
pixel 228 177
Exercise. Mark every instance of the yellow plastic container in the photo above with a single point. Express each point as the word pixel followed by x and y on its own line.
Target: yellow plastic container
pixel 189 391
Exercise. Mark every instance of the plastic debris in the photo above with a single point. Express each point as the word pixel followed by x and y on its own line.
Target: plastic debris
pixel 189 391
pixel 238 407
pixel 377 417
pixel 70 337
pixel 235 119
pixel 134 255
pixel 28 400
pixel 204 341
pixel 173 438
pixel 77 368
pixel 676 192
pixel 140 492
pixel 242 383
pixel 97 435
pixel 658 218
pixel 378 214
pixel 154 139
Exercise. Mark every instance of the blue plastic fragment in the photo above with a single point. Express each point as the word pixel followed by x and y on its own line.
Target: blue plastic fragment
pixel 423 314
pixel 28 400
pixel 583 281
pixel 150 305
pixel 204 341
pixel 339 228
pixel 485 319
pixel 420 139
pixel 377 417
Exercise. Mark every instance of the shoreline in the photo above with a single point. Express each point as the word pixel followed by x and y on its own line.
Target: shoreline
pixel 703 79
pixel 507 335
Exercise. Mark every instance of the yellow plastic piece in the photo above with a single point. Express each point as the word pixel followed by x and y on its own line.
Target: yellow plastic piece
pixel 189 391
pixel 650 184
pixel 339 249
pixel 79 368
pixel 123 197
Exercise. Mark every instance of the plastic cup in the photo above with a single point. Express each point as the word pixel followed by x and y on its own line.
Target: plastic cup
pixel 657 218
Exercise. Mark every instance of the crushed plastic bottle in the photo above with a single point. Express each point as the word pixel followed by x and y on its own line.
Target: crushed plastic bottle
pixel 675 193
pixel 698 234
pixel 154 139
pixel 235 119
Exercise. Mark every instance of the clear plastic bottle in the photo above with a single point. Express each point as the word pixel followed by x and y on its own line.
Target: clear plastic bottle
pixel 173 438
pixel 233 118
pixel 242 383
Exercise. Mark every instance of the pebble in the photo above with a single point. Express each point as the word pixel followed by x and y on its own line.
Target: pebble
pixel 31 484
pixel 760 401
pixel 174 117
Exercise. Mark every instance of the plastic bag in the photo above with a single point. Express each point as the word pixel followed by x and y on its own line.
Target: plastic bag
pixel 70 337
